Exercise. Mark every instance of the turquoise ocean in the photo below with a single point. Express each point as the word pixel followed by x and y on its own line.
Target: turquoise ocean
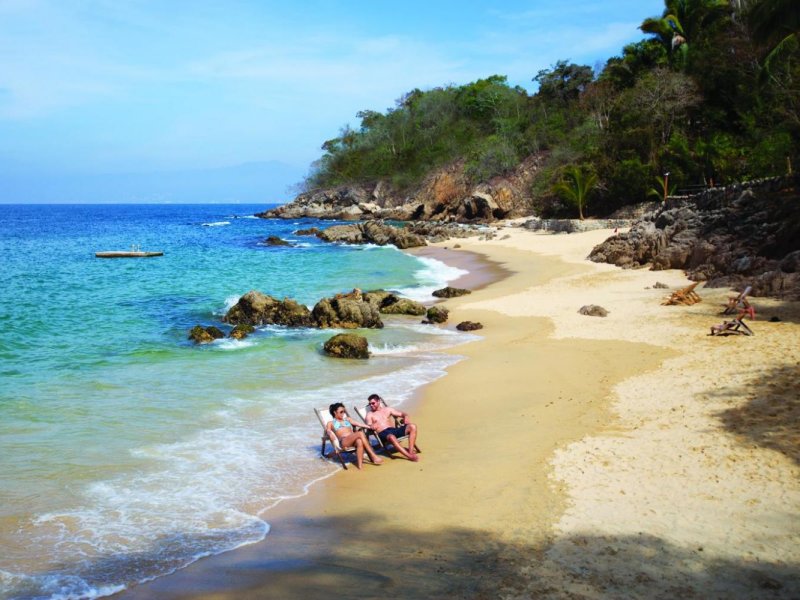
pixel 127 452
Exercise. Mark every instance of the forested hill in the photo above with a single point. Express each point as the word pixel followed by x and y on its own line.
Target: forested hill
pixel 710 95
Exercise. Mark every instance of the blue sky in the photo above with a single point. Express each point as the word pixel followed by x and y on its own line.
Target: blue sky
pixel 93 87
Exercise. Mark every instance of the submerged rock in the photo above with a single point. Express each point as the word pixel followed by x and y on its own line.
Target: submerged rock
pixel 241 331
pixel 347 345
pixel 205 335
pixel 274 240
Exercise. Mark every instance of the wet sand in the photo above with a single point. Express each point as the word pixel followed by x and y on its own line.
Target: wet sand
pixel 566 457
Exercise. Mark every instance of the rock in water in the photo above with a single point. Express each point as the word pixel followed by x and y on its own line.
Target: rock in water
pixel 346 311
pixel 403 306
pixel 255 308
pixel 438 314
pixel 347 345
pixel 274 240
pixel 241 331
pixel 205 335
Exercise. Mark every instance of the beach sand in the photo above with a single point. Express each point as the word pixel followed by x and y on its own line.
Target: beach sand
pixel 568 456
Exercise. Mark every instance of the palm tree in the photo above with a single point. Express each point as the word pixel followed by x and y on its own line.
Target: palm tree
pixel 681 22
pixel 776 24
pixel 576 186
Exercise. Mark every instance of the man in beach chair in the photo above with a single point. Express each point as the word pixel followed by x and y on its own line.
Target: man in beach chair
pixel 732 327
pixel 392 426
pixel 345 435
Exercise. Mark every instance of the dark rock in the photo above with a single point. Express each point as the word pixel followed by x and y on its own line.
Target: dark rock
pixel 437 314
pixel 241 331
pixel 451 292
pixel 205 335
pixel 347 345
pixel 372 232
pixel 309 231
pixel 660 286
pixel 775 320
pixel 745 234
pixel 403 306
pixel 255 308
pixel 274 240
pixel 346 311
pixel 379 298
pixel 469 326
pixel 593 310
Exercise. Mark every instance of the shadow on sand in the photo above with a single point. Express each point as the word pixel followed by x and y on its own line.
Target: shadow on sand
pixel 348 558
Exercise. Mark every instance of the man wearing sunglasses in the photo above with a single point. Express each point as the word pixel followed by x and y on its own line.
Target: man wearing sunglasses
pixel 381 418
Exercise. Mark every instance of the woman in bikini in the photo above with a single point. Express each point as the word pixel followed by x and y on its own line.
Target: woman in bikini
pixel 343 429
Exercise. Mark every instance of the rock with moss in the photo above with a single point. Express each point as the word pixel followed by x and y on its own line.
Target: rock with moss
pixel 403 306
pixel 437 314
pixel 451 292
pixel 347 345
pixel 256 308
pixel 205 335
pixel 346 311
pixel 241 331
pixel 379 298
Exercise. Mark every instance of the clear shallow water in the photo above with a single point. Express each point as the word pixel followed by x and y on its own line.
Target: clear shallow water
pixel 126 452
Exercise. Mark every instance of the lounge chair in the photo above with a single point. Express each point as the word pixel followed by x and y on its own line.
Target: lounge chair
pixel 325 417
pixel 739 303
pixel 398 421
pixel 686 297
pixel 732 327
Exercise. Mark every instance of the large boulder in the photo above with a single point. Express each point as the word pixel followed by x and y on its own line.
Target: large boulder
pixel 438 314
pixel 347 345
pixel 346 311
pixel 256 308
pixel 372 232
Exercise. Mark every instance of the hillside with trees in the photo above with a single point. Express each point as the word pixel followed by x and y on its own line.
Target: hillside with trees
pixel 710 96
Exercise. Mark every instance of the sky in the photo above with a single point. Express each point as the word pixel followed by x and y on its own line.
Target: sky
pixel 95 91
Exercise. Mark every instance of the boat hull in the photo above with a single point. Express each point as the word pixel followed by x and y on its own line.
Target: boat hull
pixel 126 254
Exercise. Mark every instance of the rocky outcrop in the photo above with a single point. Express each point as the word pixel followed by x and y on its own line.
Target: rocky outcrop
pixel 403 306
pixel 346 311
pixel 372 232
pixel 450 292
pixel 309 231
pixel 748 234
pixel 446 194
pixel 437 314
pixel 347 345
pixel 205 335
pixel 274 240
pixel 255 308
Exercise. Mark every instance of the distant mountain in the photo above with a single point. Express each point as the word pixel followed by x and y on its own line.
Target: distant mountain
pixel 268 182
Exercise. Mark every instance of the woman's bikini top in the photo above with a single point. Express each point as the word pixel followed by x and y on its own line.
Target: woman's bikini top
pixel 337 424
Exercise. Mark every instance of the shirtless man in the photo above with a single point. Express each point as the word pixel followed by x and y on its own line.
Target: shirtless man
pixel 380 418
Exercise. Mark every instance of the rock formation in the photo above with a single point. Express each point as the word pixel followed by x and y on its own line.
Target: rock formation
pixel 450 292
pixel 402 306
pixel 748 234
pixel 444 195
pixel 205 335
pixel 241 331
pixel 255 308
pixel 469 326
pixel 593 310
pixel 437 314
pixel 372 232
pixel 346 311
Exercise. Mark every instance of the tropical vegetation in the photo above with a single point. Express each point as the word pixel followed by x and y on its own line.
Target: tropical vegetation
pixel 711 95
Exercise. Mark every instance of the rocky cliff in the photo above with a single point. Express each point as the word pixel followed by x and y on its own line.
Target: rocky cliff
pixel 445 195
pixel 747 234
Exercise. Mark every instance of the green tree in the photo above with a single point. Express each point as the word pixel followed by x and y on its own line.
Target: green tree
pixel 576 185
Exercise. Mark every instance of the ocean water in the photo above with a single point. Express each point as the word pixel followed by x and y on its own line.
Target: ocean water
pixel 127 452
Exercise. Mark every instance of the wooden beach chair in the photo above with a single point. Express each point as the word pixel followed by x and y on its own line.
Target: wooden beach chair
pixel 732 327
pixel 739 302
pixel 685 297
pixel 337 449
pixel 398 421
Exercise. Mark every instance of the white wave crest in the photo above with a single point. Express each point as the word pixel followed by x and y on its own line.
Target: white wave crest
pixel 432 275
pixel 217 224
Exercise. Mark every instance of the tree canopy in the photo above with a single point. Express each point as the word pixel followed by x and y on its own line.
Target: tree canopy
pixel 710 95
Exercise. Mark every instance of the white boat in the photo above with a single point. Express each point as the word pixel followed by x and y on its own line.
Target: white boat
pixel 134 252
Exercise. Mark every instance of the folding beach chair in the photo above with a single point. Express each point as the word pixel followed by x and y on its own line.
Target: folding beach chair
pixel 398 421
pixel 686 297
pixel 732 327
pixel 739 302
pixel 325 417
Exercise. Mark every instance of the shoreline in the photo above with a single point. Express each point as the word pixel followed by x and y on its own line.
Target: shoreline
pixel 513 489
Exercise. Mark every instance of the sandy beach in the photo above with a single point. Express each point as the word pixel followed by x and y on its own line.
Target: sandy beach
pixel 567 456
